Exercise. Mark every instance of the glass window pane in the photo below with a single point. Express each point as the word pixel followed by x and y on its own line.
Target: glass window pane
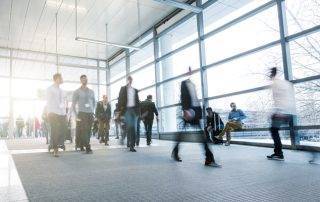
pixel 4 87
pixel 142 57
pixel 115 88
pixel 102 77
pixel 170 91
pixel 102 90
pixel 302 15
pixel 150 91
pixel 179 36
pixel 22 88
pixel 248 34
pixel 179 63
pixel 5 107
pixel 169 119
pixel 244 73
pixel 118 70
pixel 305 56
pixel 4 52
pixel 74 73
pixel 102 64
pixel 4 67
pixel 308 103
pixel 144 77
pixel 33 70
pixel 223 11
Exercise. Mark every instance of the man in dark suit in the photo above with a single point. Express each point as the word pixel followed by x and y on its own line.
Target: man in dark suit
pixel 129 107
pixel 103 114
pixel 192 113
pixel 148 110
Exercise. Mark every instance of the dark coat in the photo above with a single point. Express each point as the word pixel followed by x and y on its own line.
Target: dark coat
pixel 186 103
pixel 148 109
pixel 122 100
pixel 101 113
pixel 215 121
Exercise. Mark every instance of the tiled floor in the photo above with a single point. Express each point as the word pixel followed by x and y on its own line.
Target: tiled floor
pixel 114 174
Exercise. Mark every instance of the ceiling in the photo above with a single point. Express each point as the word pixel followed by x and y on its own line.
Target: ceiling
pixel 31 25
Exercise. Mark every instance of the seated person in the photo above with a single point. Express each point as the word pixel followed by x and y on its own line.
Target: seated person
pixel 214 126
pixel 234 122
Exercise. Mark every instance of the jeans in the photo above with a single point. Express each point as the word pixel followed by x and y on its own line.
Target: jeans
pixel 131 120
pixel 83 129
pixel 138 131
pixel 276 121
pixel 148 127
pixel 57 123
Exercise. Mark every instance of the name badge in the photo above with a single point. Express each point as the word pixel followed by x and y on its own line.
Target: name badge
pixel 87 105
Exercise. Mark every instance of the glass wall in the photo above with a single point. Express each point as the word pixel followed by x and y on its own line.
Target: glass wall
pixel 230 56
pixel 22 93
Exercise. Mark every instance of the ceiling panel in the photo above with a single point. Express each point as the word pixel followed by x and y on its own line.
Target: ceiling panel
pixel 33 24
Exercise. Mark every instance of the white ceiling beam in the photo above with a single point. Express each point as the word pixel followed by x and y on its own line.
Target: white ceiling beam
pixel 106 43
pixel 181 5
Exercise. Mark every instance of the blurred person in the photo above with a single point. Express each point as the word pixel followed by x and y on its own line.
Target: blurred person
pixel 214 126
pixel 116 121
pixel 284 110
pixel 37 127
pixel 129 107
pixel 235 118
pixel 192 113
pixel 138 128
pixel 148 110
pixel 56 113
pixel 103 114
pixel 20 125
pixel 85 101
pixel 45 124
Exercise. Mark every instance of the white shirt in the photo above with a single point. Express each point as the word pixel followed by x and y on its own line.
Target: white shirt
pixel 56 102
pixel 193 93
pixel 283 97
pixel 130 97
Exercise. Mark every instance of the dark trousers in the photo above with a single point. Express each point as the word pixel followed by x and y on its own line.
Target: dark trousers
pixel 103 129
pixel 208 153
pixel 57 124
pixel 148 127
pixel 83 129
pixel 131 126
pixel 117 125
pixel 138 131
pixel 276 121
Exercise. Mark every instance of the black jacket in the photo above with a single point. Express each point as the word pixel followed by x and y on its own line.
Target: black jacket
pixel 215 121
pixel 122 100
pixel 148 109
pixel 101 113
pixel 186 102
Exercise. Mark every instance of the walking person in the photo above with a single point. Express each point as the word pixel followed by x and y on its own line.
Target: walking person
pixel 148 110
pixel 117 123
pixel 284 110
pixel 85 101
pixel 192 113
pixel 20 125
pixel 56 113
pixel 129 107
pixel 103 114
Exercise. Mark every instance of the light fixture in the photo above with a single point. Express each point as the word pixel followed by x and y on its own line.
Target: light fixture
pixel 181 5
pixel 64 6
pixel 106 43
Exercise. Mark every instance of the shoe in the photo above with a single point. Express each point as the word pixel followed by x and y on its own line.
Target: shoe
pixel 176 157
pixel 133 150
pixel 276 157
pixel 117 138
pixel 148 143
pixel 89 151
pixel 227 144
pixel 212 164
pixel 82 149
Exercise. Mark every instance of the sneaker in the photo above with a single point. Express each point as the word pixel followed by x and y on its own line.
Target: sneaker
pixel 276 157
pixel 212 164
